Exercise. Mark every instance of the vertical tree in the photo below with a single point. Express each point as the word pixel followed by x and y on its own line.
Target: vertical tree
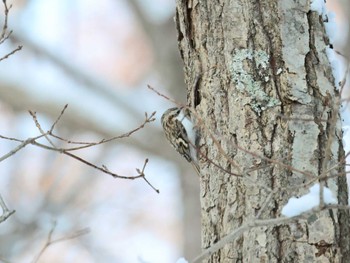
pixel 262 87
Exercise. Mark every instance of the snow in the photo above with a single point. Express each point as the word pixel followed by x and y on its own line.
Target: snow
pixel 331 30
pixel 318 6
pixel 331 26
pixel 296 206
pixel 346 138
pixel 335 65
pixel 181 260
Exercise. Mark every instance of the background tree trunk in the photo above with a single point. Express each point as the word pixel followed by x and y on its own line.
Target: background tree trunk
pixel 266 91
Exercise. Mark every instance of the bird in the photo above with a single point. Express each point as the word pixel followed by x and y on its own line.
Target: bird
pixel 181 133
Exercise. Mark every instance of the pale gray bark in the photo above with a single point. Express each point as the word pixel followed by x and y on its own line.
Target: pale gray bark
pixel 266 91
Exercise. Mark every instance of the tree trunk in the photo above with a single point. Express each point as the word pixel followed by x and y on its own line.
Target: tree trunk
pixel 269 126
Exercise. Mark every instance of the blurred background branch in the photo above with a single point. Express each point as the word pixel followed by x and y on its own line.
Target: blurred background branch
pixel 98 57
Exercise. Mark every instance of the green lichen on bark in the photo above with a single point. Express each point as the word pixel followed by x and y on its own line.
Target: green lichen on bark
pixel 247 82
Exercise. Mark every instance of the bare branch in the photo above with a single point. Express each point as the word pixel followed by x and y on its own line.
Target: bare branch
pixel 58 118
pixel 67 151
pixel 4 35
pixel 142 173
pixel 6 213
pixel 260 223
pixel 148 119
pixel 12 52
pixel 23 144
pixel 164 96
pixel 37 124
pixel 50 242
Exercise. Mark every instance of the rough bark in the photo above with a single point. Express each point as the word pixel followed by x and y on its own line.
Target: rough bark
pixel 265 91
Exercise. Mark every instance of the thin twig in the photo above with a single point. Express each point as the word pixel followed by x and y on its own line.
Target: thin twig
pixel 10 138
pixel 148 119
pixel 66 151
pixel 19 147
pixel 50 242
pixel 4 33
pixel 142 173
pixel 58 118
pixel 37 124
pixel 102 169
pixel 6 213
pixel 164 96
pixel 3 36
pixel 12 52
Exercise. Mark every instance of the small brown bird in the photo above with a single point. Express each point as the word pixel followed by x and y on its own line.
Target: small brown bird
pixel 181 133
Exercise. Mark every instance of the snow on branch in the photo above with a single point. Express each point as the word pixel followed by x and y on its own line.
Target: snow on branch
pixel 297 206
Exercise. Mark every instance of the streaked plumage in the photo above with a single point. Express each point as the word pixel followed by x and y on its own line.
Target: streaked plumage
pixel 180 132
